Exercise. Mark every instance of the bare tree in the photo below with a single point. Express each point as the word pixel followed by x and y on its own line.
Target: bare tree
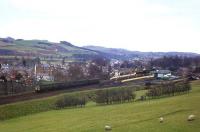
pixel 75 72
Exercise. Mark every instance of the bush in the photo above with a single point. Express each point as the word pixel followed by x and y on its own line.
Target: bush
pixel 13 110
pixel 70 101
pixel 169 89
pixel 119 95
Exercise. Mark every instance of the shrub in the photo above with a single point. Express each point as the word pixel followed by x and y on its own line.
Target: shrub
pixel 18 109
pixel 117 95
pixel 170 89
pixel 70 101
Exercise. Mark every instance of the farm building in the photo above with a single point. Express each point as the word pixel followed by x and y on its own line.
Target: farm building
pixel 162 74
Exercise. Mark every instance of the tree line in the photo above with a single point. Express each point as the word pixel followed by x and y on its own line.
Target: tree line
pixel 169 89
pixel 71 101
pixel 103 96
pixel 173 63
pixel 78 71
pixel 110 96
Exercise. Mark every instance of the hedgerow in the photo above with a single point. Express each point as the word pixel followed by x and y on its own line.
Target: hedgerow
pixel 169 89
pixel 110 96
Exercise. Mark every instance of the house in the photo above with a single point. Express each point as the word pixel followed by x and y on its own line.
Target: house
pixel 4 66
pixel 162 74
pixel 43 76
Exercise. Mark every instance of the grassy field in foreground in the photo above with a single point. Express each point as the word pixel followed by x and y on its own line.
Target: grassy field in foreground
pixel 132 117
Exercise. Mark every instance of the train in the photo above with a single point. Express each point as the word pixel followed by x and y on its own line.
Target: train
pixel 42 87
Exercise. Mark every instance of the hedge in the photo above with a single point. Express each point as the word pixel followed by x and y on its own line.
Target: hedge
pixel 169 89
pixel 109 96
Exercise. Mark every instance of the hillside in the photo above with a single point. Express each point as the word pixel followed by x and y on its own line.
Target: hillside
pixel 10 47
pixel 141 116
pixel 124 54
pixel 41 48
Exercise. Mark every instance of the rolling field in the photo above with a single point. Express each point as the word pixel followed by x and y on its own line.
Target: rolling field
pixel 42 48
pixel 140 116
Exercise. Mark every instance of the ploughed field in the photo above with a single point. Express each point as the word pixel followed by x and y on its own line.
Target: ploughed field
pixel 139 116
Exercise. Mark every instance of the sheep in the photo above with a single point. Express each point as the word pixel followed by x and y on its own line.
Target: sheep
pixel 161 119
pixel 108 128
pixel 191 117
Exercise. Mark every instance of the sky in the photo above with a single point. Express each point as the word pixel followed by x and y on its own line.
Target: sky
pixel 138 25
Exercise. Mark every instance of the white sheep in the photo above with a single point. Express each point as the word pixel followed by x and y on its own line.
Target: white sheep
pixel 108 128
pixel 191 117
pixel 161 119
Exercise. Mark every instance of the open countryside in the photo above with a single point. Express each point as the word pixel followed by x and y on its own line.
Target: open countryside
pixel 99 66
pixel 138 116
pixel 99 94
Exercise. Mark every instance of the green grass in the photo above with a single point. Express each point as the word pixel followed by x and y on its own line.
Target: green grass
pixel 32 46
pixel 140 93
pixel 39 105
pixel 128 117
pixel 33 106
pixel 26 108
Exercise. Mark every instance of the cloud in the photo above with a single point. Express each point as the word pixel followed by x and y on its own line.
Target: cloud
pixel 130 24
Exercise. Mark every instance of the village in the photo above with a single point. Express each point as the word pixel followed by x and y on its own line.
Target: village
pixel 25 76
pixel 99 66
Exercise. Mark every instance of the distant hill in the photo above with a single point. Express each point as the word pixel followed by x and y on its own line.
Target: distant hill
pixel 42 48
pixel 124 54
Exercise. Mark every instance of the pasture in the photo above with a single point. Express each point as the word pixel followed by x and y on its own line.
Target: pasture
pixel 139 116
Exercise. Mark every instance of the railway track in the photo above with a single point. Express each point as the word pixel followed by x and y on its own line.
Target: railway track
pixel 34 95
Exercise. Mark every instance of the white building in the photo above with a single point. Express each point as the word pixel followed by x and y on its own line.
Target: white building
pixel 45 77
pixel 163 74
